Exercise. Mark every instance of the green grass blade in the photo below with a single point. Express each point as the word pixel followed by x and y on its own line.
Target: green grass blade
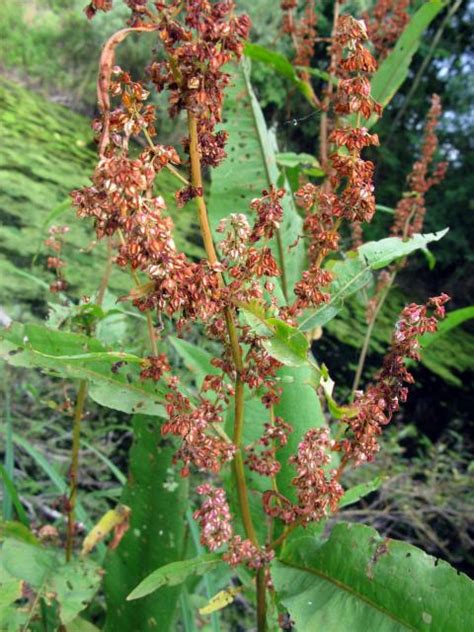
pixel 187 614
pixel 9 456
pixel 122 479
pixel 54 476
pixel 10 489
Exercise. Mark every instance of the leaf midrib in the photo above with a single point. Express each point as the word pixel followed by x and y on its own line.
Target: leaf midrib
pixel 96 377
pixel 349 590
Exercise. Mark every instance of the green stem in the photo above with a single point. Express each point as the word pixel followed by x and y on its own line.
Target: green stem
pixel 76 427
pixel 281 255
pixel 73 475
pixel 261 601
pixel 368 333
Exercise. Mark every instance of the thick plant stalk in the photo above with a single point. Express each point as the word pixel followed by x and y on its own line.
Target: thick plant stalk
pixel 238 463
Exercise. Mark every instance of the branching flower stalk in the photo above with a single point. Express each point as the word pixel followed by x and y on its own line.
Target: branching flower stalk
pixel 240 272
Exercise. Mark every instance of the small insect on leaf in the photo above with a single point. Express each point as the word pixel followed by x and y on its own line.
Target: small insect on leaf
pixel 222 599
pixel 116 520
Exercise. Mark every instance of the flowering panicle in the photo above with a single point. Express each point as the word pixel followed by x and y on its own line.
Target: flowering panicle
pixel 317 489
pixel 199 37
pixel 356 201
pixel 214 517
pixel 410 211
pixel 375 407
pixel 201 446
pixel 209 36
pixel 264 460
pixel 348 194
pixel 385 24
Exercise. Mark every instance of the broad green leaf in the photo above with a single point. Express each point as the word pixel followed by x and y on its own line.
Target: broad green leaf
pixel 354 494
pixel 355 272
pixel 77 356
pixel 256 315
pixel 175 573
pixel 394 69
pixel 12 618
pixel 290 159
pixel 300 407
pixel 287 345
pixel 81 625
pixel 156 495
pixel 282 341
pixel 196 360
pixel 72 584
pixel 281 64
pixel 17 531
pixel 250 168
pixel 10 588
pixel 379 254
pixel 359 581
